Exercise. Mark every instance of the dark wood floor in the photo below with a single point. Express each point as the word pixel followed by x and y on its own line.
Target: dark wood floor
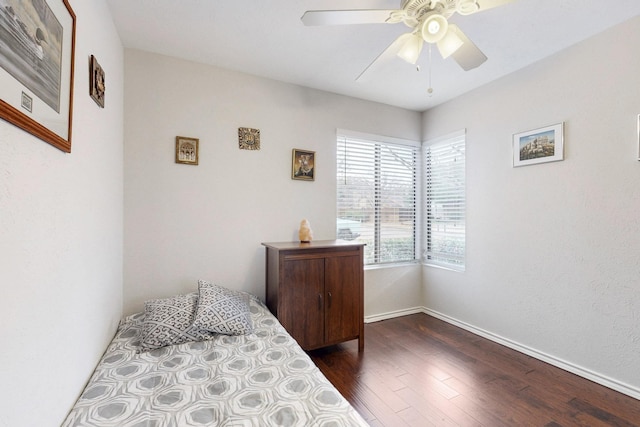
pixel 420 371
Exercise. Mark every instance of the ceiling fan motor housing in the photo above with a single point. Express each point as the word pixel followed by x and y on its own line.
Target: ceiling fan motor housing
pixel 416 10
pixel 419 8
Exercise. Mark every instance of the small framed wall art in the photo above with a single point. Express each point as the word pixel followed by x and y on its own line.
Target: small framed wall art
pixel 96 81
pixel 249 139
pixel 187 150
pixel 303 165
pixel 541 145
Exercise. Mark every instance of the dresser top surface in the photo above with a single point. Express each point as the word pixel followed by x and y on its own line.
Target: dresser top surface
pixel 315 244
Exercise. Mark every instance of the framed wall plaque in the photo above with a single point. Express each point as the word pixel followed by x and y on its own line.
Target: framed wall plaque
pixel 249 139
pixel 303 165
pixel 187 150
pixel 96 81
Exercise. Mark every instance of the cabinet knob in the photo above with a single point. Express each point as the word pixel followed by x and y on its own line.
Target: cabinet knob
pixel 320 301
pixel 329 302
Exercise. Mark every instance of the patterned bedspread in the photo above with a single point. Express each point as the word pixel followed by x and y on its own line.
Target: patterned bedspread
pixel 260 379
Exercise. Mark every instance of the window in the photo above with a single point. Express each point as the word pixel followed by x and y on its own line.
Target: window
pixel 377 195
pixel 444 201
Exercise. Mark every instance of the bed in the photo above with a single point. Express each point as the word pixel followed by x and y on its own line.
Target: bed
pixel 261 378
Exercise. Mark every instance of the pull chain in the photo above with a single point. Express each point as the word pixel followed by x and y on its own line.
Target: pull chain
pixel 430 90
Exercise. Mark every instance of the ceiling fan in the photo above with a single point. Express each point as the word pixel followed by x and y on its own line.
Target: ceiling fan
pixel 428 20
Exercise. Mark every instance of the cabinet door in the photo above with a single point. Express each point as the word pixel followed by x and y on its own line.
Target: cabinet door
pixel 342 293
pixel 301 311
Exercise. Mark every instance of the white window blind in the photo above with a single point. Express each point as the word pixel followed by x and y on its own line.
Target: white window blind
pixel 444 201
pixel 377 196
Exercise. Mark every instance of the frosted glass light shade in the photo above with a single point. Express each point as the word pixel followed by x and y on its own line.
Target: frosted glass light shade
pixel 434 28
pixel 410 50
pixel 449 43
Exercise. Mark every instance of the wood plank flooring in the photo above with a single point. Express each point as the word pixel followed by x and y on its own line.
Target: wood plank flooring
pixel 420 371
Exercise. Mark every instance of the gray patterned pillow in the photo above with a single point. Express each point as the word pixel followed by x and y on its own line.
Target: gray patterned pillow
pixel 169 321
pixel 222 310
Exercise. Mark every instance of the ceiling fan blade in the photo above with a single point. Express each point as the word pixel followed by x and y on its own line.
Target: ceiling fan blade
pixel 388 54
pixel 468 56
pixel 488 4
pixel 346 17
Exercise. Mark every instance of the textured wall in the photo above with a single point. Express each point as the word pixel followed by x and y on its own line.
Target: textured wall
pixel 185 222
pixel 552 249
pixel 61 226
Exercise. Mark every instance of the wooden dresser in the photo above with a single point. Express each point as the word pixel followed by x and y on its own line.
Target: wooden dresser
pixel 316 290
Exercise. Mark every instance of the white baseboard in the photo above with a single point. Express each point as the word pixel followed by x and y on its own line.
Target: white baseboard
pixel 392 314
pixel 562 364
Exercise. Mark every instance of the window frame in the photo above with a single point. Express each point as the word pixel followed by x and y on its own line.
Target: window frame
pixel 341 136
pixel 438 259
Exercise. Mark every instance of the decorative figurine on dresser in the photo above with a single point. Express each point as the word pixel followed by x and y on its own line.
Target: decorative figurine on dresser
pixel 305 234
pixel 316 290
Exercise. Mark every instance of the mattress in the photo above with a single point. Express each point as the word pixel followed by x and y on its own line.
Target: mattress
pixel 259 379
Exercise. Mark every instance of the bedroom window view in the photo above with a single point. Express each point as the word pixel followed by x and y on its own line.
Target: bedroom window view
pixel 377 192
pixel 444 201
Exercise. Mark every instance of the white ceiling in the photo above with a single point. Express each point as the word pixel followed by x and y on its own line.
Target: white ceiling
pixel 266 38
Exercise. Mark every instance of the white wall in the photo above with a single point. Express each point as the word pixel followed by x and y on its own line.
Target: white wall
pixel 552 249
pixel 61 221
pixel 185 222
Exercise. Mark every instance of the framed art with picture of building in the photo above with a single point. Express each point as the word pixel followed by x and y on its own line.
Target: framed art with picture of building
pixel 540 145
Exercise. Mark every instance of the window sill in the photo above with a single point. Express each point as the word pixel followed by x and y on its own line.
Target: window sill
pixel 445 267
pixel 391 265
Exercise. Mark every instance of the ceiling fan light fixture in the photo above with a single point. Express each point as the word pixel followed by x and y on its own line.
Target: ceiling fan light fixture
pixel 450 43
pixel 411 48
pixel 434 28
pixel 467 7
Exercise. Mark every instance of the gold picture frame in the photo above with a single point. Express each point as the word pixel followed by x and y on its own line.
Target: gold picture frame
pixel 303 165
pixel 249 139
pixel 187 150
